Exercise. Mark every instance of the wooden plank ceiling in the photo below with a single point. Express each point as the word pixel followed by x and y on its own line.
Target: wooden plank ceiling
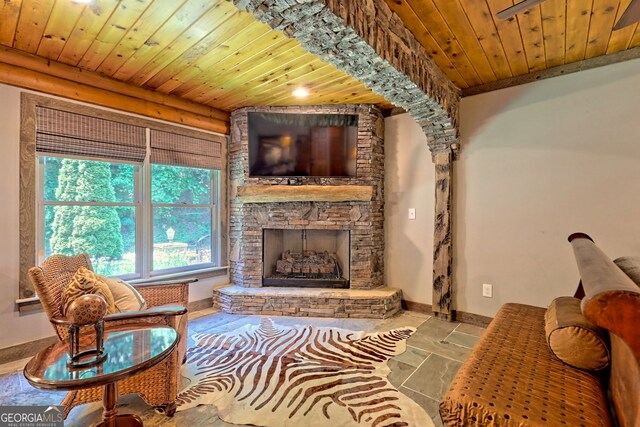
pixel 201 50
pixel 473 47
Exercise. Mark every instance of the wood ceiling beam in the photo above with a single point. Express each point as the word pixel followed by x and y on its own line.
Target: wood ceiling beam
pixel 32 72
pixel 561 70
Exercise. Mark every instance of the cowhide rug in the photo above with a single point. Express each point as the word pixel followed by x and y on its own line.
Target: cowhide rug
pixel 271 375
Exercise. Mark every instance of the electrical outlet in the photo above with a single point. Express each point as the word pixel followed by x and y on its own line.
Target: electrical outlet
pixel 487 290
pixel 412 213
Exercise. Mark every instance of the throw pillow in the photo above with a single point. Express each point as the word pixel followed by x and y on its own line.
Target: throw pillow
pixel 85 281
pixel 631 267
pixel 126 297
pixel 574 339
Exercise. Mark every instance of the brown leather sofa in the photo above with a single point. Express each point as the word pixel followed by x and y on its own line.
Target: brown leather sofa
pixel 511 377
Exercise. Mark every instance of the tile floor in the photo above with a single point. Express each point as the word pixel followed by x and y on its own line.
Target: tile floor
pixel 424 372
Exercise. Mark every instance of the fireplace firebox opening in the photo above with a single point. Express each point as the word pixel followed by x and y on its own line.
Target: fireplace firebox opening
pixel 309 258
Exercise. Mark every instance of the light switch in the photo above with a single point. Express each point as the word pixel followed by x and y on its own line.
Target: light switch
pixel 412 213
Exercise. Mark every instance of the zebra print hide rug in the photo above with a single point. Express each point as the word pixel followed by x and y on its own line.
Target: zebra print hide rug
pixel 273 376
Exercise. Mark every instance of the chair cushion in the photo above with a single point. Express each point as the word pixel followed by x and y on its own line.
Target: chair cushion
pixel 126 297
pixel 631 267
pixel 85 281
pixel 574 339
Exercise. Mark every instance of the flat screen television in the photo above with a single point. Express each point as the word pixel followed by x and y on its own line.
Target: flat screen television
pixel 315 145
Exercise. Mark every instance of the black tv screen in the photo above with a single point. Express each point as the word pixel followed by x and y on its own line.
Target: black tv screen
pixel 282 144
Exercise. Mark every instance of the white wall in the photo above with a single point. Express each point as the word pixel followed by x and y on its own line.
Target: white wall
pixel 538 162
pixel 16 328
pixel 409 183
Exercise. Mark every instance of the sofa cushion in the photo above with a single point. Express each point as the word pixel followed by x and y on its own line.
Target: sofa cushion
pixel 574 339
pixel 125 296
pixel 631 267
pixel 85 281
pixel 512 379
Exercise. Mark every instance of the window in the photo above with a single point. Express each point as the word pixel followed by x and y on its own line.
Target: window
pixel 183 216
pixel 141 202
pixel 90 206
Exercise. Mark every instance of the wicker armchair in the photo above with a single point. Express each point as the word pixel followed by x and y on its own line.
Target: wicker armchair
pixel 167 302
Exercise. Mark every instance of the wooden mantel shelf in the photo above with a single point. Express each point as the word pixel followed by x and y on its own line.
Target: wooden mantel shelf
pixel 304 193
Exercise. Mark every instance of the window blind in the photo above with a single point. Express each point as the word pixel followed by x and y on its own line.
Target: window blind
pixel 181 150
pixel 62 132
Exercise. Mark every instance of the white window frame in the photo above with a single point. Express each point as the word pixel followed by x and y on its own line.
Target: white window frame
pixel 143 216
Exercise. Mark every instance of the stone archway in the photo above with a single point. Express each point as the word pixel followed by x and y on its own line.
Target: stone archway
pixel 365 39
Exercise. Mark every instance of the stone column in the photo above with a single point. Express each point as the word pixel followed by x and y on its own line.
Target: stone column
pixel 442 247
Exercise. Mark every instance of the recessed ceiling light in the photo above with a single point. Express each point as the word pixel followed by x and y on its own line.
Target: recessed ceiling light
pixel 301 92
pixel 82 1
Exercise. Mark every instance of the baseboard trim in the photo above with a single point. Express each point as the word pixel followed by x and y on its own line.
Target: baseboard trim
pixel 472 318
pixel 27 349
pixel 459 316
pixel 200 304
pixel 418 307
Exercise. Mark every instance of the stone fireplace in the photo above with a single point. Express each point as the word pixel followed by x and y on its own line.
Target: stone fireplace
pixel 308 245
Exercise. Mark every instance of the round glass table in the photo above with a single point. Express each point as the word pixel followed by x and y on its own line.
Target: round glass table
pixel 130 350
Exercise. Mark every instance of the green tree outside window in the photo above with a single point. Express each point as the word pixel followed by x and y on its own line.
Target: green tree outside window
pixel 92 229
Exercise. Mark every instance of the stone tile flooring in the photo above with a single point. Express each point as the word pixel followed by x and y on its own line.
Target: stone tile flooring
pixel 424 372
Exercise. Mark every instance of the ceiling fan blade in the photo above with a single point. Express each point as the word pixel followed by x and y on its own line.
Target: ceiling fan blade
pixel 517 8
pixel 630 16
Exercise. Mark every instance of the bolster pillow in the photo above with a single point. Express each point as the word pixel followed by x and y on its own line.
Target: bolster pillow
pixel 574 339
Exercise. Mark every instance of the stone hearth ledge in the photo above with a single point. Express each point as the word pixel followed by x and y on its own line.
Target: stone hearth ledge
pixel 378 303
